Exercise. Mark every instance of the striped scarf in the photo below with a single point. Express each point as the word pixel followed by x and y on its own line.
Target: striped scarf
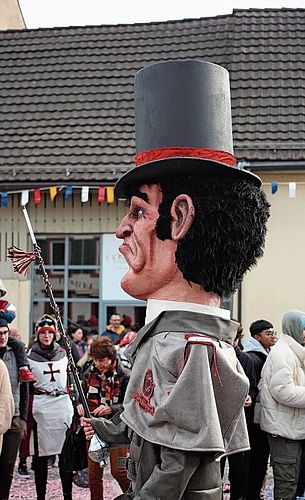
pixel 103 388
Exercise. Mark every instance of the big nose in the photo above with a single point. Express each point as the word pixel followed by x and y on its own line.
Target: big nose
pixel 124 228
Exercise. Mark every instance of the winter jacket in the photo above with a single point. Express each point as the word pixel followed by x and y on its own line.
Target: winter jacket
pixel 282 390
pixel 123 374
pixel 7 406
pixel 20 391
pixel 258 354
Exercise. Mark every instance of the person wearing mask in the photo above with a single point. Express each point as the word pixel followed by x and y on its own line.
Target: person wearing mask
pixel 282 396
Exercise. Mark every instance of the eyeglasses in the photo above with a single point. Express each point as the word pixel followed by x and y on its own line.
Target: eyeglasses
pixel 271 333
pixel 2 334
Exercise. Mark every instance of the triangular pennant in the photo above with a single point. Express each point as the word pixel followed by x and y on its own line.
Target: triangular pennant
pixel 85 194
pixel 101 194
pixel 274 186
pixel 53 192
pixel 37 196
pixel 24 198
pixel 292 189
pixel 110 194
pixel 68 192
pixel 4 199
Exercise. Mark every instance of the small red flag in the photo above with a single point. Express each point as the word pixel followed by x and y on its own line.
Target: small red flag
pixel 37 196
pixel 101 194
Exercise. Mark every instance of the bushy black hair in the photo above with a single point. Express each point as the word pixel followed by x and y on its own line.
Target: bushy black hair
pixel 228 233
pixel 258 326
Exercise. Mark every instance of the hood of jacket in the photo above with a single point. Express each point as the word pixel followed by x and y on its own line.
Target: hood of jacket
pixel 253 345
pixel 293 324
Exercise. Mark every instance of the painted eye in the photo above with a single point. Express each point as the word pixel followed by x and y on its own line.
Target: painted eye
pixel 139 213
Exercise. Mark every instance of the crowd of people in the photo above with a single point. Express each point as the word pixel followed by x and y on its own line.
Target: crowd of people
pixel 37 409
pixel 191 395
pixel 274 409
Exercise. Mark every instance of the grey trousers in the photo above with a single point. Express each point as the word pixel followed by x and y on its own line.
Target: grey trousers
pixel 161 473
pixel 286 462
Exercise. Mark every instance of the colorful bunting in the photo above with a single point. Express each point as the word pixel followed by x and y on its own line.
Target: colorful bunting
pixel 274 186
pixel 4 199
pixel 37 196
pixel 106 193
pixel 292 189
pixel 101 194
pixel 68 192
pixel 110 194
pixel 24 198
pixel 53 192
pixel 85 194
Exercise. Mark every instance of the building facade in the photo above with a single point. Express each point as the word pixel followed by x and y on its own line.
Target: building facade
pixel 67 135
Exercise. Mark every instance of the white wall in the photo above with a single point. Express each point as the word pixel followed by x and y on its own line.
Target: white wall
pixel 277 284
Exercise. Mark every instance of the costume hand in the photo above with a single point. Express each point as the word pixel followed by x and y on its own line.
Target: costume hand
pixel 248 401
pixel 80 410
pixel 86 423
pixel 102 410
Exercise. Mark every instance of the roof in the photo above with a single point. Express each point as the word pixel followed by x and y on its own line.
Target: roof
pixel 66 94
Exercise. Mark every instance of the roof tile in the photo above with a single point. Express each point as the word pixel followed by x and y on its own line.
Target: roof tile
pixel 66 94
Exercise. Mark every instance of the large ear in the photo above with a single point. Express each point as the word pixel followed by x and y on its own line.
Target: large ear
pixel 182 212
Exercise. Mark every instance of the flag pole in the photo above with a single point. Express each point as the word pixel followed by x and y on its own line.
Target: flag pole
pixel 98 449
pixel 21 263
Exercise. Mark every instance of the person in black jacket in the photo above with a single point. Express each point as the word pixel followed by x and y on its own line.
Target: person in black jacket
pixel 239 462
pixel 258 345
pixel 12 437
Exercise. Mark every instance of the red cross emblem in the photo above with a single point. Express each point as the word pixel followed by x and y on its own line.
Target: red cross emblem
pixel 51 372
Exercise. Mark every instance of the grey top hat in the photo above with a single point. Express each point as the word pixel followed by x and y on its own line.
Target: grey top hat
pixel 183 123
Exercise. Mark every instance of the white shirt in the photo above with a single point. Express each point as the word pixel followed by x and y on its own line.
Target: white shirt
pixel 155 307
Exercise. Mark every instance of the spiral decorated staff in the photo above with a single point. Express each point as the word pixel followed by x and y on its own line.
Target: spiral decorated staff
pixel 22 261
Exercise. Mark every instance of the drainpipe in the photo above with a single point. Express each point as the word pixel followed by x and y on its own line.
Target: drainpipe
pixel 239 303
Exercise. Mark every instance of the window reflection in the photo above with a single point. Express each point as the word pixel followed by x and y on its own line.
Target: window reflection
pixel 73 266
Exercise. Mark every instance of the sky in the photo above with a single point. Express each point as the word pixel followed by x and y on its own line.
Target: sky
pixel 57 13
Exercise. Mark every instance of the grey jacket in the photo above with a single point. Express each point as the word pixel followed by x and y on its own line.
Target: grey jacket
pixel 20 391
pixel 184 397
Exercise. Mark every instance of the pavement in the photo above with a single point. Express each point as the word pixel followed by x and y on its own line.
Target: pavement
pixel 24 489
